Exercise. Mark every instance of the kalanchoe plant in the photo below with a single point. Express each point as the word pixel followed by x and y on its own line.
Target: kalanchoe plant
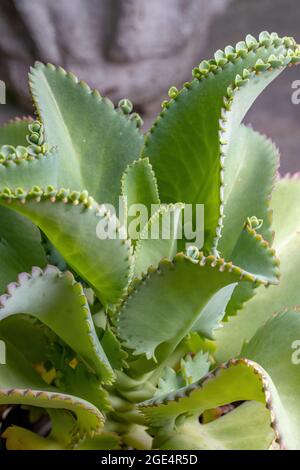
pixel 117 341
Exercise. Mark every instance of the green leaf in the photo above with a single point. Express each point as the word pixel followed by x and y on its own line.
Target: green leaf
pixel 188 143
pixel 276 298
pixel 276 348
pixel 253 254
pixel 39 345
pixel 57 300
pixel 163 307
pixel 214 311
pixel 21 385
pixel 103 441
pixel 158 239
pixel 193 368
pixel 38 170
pixel 70 221
pixel 14 132
pixel 18 438
pixel 95 142
pixel 20 246
pixel 247 191
pixel 226 433
pixel 247 195
pixel 177 414
pixel 169 381
pixel 112 347
pixel 139 186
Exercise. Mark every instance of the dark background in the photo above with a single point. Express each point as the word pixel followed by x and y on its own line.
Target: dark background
pixel 139 48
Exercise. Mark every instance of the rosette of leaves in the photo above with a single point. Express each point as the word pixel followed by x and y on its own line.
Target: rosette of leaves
pixel 141 343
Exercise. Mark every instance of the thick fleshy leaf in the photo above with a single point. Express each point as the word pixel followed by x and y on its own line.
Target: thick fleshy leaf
pixel 20 384
pixel 103 441
pixel 15 132
pixel 247 196
pixel 20 246
pixel 55 363
pixel 214 311
pixel 70 220
pixel 58 301
pixel 275 347
pixel 191 369
pixel 247 191
pixel 39 170
pixel 276 298
pixel 163 307
pixel 188 144
pixel 158 238
pixel 247 427
pixel 17 438
pixel 139 185
pixel 176 415
pixel 95 142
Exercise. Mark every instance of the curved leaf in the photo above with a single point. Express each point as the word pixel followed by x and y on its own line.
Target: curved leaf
pixel 187 144
pixel 21 385
pixel 226 433
pixel 139 184
pixel 20 246
pixel 274 299
pixel 95 142
pixel 70 221
pixel 273 347
pixel 163 307
pixel 58 301
pixel 27 172
pixel 14 132
pixel 176 415
pixel 158 239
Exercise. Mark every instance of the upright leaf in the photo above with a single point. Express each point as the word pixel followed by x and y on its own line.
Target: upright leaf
pixel 70 220
pixel 95 142
pixel 274 299
pixel 58 302
pixel 188 144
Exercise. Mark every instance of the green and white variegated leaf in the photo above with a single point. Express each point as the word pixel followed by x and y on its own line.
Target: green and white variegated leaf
pixel 95 142
pixel 274 299
pixel 174 418
pixel 188 144
pixel 159 238
pixel 20 384
pixel 163 307
pixel 59 302
pixel 70 221
pixel 20 246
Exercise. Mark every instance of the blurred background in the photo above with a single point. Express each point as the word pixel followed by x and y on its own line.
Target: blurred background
pixel 139 48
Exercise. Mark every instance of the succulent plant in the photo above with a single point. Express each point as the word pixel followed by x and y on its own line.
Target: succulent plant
pixel 146 342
